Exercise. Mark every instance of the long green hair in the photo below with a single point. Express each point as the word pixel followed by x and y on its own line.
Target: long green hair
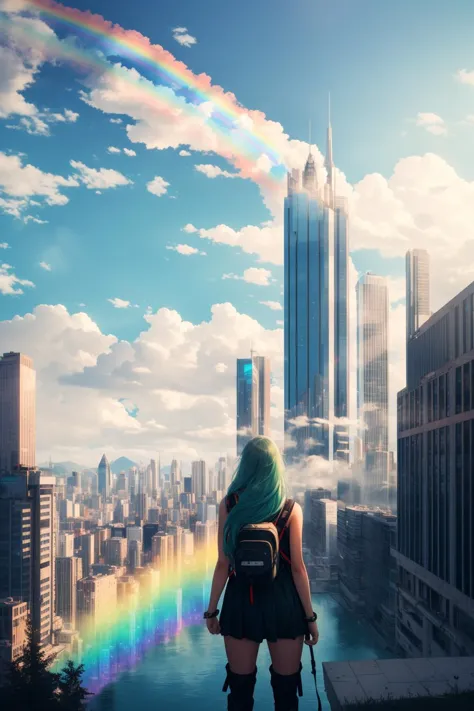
pixel 259 482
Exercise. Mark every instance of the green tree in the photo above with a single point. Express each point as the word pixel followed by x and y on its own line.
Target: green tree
pixel 30 684
pixel 72 696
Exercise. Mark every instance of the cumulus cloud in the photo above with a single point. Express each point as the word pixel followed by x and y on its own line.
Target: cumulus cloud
pixel 466 76
pixel 432 123
pixel 158 186
pixel 184 153
pixel 4 245
pixel 265 241
pixel 213 171
pixel 180 377
pixel 185 249
pixel 253 275
pixel 100 179
pixel 113 149
pixel 182 36
pixel 10 283
pixel 44 265
pixel 119 303
pixel 273 305
pixel 130 152
pixel 115 120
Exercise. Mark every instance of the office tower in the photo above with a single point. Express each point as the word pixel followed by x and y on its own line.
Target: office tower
pixel 204 534
pixel 115 551
pixel 65 545
pixel 105 478
pixel 161 549
pixel 17 412
pixel 27 528
pixel 134 554
pixel 149 530
pixel 325 527
pixel 417 272
pixel 372 384
pixel 187 544
pixel 435 462
pixel 153 478
pixel 175 472
pixel 135 533
pixel 142 506
pixel 199 479
pixel 132 482
pixel 316 315
pixel 121 511
pixel 310 498
pixel 13 620
pixel 118 530
pixel 68 572
pixel 122 482
pixel 87 553
pixel 367 567
pixel 211 513
pixel 253 399
pixel 188 488
pixel 96 598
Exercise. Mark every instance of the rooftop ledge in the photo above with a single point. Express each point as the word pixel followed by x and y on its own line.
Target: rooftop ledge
pixel 436 683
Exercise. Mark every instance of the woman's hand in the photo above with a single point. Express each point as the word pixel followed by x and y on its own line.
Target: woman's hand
pixel 313 634
pixel 213 625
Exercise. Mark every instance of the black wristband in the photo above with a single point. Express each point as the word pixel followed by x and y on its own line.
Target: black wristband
pixel 313 618
pixel 210 615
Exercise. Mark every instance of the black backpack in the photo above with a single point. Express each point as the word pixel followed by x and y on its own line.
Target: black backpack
pixel 257 552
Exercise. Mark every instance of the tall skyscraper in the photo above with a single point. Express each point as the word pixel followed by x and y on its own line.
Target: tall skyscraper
pixel 417 263
pixel 17 412
pixel 435 496
pixel 253 399
pixel 27 528
pixel 372 385
pixel 199 481
pixel 105 478
pixel 153 479
pixel 68 572
pixel 316 370
pixel 175 472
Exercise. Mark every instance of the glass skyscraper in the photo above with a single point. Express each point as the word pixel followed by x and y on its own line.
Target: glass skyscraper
pixel 105 478
pixel 253 399
pixel 316 315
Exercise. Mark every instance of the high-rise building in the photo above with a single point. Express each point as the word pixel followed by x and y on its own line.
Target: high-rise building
pixel 13 620
pixel 199 479
pixel 417 263
pixel 65 544
pixel 253 399
pixel 175 472
pixel 105 478
pixel 68 572
pixel 96 597
pixel 27 529
pixel 134 553
pixel 153 479
pixel 372 385
pixel 435 504
pixel 17 412
pixel 87 553
pixel 316 369
pixel 115 551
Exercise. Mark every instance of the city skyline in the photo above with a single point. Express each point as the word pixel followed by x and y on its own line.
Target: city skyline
pixel 106 367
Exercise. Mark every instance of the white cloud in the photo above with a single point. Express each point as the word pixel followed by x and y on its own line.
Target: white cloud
pixel 253 275
pixel 113 149
pixel 115 120
pixel 273 305
pixel 44 265
pixel 265 241
pixel 213 171
pixel 130 152
pixel 465 76
pixel 185 249
pixel 100 179
pixel 4 245
pixel 181 35
pixel 32 218
pixel 432 123
pixel 119 303
pixel 184 153
pixel 158 186
pixel 10 283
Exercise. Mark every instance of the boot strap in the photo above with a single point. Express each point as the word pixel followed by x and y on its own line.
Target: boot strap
pixel 226 682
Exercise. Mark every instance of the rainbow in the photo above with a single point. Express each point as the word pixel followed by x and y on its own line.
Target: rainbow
pixel 120 637
pixel 247 144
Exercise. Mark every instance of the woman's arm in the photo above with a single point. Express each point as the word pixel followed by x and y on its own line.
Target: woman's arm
pixel 298 568
pixel 221 572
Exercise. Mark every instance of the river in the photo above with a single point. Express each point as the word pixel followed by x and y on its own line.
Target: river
pixel 187 670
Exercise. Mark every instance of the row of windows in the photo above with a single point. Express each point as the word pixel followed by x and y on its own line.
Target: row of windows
pixel 433 400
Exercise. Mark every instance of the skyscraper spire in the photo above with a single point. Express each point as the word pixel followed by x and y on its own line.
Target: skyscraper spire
pixel 310 182
pixel 309 134
pixel 328 162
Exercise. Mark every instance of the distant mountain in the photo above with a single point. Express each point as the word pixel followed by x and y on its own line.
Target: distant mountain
pixel 122 464
pixel 64 468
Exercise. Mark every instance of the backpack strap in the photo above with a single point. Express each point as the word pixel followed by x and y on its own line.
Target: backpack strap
pixel 283 517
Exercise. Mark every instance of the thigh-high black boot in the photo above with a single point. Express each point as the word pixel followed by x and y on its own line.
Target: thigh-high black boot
pixel 241 690
pixel 286 689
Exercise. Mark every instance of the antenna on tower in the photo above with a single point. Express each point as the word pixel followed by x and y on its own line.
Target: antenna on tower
pixel 329 107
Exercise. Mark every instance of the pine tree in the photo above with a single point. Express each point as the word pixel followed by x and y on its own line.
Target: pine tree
pixel 72 695
pixel 30 684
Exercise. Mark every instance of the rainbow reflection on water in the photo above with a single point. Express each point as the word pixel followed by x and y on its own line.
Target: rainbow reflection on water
pixel 122 636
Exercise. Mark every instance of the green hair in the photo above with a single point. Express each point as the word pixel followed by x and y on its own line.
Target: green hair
pixel 259 482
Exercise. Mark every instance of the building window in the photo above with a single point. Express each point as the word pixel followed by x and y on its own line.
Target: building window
pixel 459 512
pixel 466 386
pixel 458 390
pixel 435 400
pixel 442 397
pixel 429 388
pixel 456 332
pixel 465 321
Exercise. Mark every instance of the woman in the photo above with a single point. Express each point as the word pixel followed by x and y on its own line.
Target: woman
pixel 280 612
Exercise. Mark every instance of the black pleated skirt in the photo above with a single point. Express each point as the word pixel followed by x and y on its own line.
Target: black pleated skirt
pixel 276 612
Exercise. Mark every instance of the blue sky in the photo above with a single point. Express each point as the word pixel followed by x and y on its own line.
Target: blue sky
pixel 385 64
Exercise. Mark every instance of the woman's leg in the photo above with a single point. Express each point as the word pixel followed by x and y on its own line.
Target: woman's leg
pixel 286 672
pixel 241 672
